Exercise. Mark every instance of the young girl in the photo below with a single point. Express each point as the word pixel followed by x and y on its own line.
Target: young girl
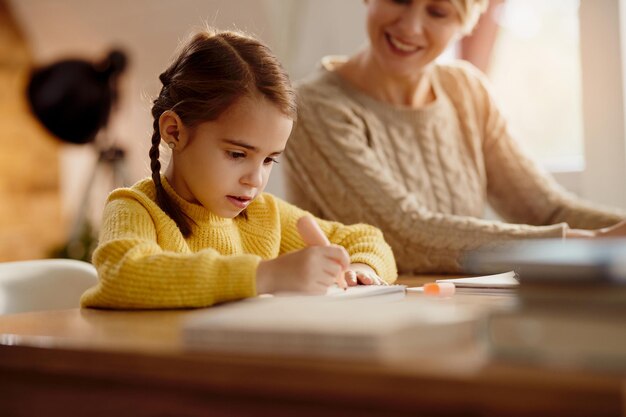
pixel 204 232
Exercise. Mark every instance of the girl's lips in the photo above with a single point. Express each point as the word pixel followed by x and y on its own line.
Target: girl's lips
pixel 239 202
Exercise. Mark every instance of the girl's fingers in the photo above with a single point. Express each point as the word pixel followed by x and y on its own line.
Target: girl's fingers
pixel 341 280
pixel 365 279
pixel 326 280
pixel 351 278
pixel 338 254
pixel 332 269
pixel 310 232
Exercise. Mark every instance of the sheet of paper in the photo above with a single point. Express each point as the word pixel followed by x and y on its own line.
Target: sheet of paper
pixel 504 280
pixel 380 292
pixel 360 291
pixel 505 283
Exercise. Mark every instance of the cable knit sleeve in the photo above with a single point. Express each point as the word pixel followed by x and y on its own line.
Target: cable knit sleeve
pixel 136 272
pixel 364 243
pixel 518 188
pixel 332 166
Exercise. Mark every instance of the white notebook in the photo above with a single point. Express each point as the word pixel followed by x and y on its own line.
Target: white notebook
pixel 389 292
pixel 505 283
pixel 381 292
pixel 326 327
pixel 506 280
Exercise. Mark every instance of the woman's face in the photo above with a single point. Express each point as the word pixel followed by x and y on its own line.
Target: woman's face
pixel 407 35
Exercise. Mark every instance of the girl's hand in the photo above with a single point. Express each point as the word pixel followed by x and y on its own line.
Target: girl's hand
pixel 310 270
pixel 617 230
pixel 358 273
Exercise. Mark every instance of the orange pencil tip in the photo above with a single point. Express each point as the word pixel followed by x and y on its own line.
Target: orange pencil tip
pixel 431 288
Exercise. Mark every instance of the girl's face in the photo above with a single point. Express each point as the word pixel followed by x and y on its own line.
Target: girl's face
pixel 407 35
pixel 225 163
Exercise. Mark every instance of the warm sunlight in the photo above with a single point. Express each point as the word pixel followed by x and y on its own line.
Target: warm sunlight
pixel 536 75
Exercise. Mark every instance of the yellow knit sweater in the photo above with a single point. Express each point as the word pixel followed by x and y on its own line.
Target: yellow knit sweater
pixel 143 260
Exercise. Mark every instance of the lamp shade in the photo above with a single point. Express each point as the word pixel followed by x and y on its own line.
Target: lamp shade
pixel 72 98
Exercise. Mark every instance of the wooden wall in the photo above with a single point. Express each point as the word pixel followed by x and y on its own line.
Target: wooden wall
pixel 30 211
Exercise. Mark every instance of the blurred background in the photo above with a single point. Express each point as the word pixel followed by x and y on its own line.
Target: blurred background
pixel 555 67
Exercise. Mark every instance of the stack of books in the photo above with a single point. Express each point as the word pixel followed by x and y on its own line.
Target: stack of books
pixel 572 304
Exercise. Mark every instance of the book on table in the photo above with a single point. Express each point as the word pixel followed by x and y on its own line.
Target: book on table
pixel 370 328
pixel 537 260
pixel 496 284
pixel 571 302
pixel 502 283
pixel 559 337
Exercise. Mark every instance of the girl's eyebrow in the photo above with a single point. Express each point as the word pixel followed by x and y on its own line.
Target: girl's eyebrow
pixel 248 146
pixel 242 144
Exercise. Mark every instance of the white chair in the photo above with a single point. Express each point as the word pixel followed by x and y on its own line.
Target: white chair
pixel 44 284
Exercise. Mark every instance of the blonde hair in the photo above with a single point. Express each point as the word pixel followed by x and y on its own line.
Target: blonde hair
pixel 470 11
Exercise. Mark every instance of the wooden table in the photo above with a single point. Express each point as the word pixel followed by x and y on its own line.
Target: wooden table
pixel 111 363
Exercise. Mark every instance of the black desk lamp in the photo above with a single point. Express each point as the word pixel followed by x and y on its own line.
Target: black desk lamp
pixel 73 100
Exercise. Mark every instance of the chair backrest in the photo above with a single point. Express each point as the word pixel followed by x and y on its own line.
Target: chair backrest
pixel 44 284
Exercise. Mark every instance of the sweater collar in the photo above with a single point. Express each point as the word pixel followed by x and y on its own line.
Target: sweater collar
pixel 196 212
pixel 328 65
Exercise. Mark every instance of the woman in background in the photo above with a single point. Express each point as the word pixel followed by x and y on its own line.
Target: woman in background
pixel 391 138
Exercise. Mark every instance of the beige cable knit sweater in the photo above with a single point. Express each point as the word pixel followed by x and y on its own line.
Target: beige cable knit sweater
pixel 424 176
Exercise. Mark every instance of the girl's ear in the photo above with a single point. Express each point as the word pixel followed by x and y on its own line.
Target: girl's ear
pixel 173 131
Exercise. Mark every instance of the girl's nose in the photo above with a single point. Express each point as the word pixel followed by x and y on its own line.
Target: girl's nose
pixel 254 178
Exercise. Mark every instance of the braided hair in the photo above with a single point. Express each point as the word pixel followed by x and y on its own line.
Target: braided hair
pixel 210 73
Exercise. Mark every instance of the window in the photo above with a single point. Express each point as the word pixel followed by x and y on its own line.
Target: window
pixel 536 75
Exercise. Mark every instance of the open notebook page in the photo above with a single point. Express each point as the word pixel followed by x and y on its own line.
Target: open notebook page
pixel 386 292
pixel 360 291
pixel 506 280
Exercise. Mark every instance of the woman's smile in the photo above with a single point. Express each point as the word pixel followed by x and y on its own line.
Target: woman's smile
pixel 401 47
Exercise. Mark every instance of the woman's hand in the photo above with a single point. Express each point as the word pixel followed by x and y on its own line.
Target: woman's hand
pixel 358 273
pixel 617 230
pixel 310 270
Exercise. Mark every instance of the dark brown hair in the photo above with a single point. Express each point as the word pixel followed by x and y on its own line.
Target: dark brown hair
pixel 210 73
